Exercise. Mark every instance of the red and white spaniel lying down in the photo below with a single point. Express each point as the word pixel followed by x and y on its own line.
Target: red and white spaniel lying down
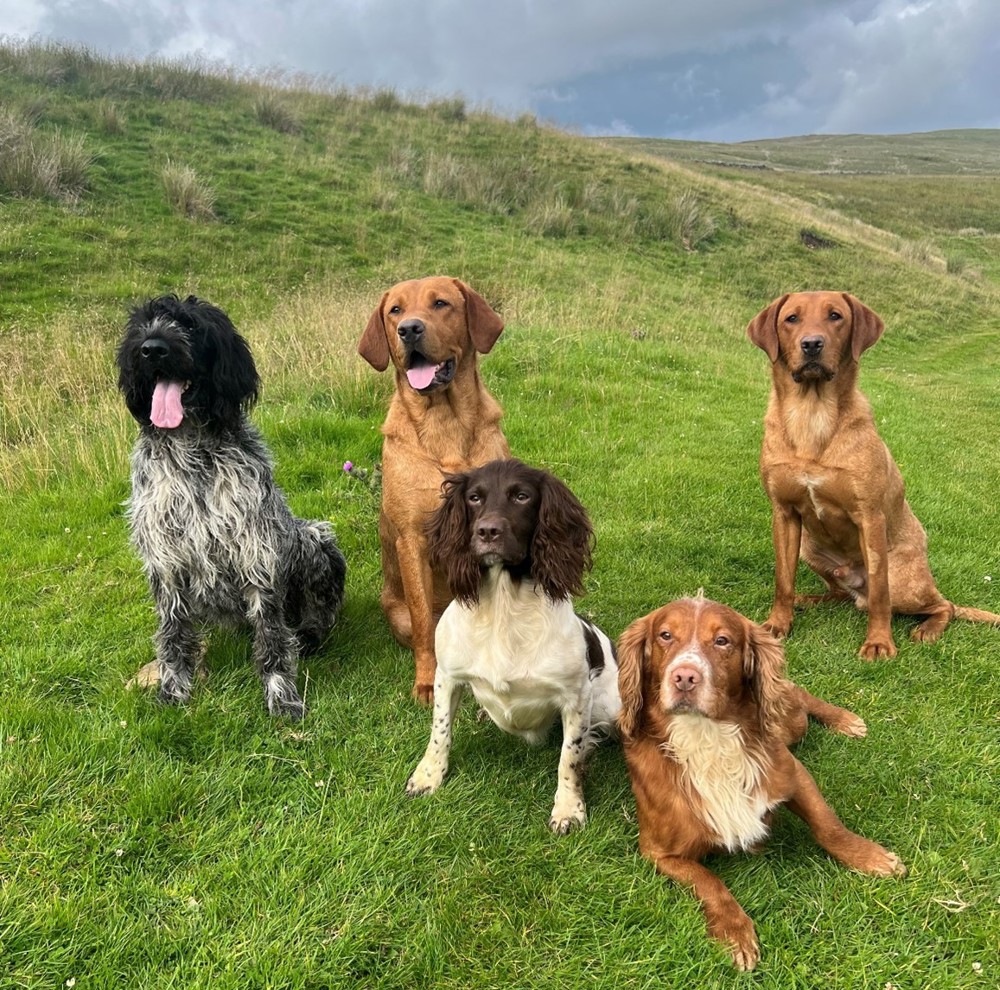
pixel 514 543
pixel 707 718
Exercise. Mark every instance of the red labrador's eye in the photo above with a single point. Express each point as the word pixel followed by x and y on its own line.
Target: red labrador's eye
pixel 834 315
pixel 791 318
pixel 440 303
pixel 395 309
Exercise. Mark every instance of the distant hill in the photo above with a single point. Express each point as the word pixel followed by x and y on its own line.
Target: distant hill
pixel 957 152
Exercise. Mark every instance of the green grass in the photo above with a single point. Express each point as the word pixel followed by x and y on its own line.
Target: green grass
pixel 213 846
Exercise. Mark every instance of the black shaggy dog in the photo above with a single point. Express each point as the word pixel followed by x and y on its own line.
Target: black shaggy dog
pixel 216 537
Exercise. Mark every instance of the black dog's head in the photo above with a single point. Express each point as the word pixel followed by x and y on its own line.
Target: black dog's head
pixel 184 361
pixel 510 514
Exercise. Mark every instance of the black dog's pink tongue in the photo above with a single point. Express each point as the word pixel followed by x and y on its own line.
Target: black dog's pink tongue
pixel 166 411
pixel 421 376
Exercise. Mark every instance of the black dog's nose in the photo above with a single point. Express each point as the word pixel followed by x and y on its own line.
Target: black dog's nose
pixel 812 346
pixel 154 349
pixel 410 330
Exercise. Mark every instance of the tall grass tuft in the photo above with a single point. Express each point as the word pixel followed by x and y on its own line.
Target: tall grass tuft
pixel 693 225
pixel 186 193
pixel 53 165
pixel 110 118
pixel 275 113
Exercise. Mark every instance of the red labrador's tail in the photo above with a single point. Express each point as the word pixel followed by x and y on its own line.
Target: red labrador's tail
pixel 976 615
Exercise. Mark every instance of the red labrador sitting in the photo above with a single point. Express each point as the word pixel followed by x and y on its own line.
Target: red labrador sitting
pixel 706 721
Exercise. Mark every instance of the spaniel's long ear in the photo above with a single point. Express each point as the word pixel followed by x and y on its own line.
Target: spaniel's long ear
pixel 374 346
pixel 449 541
pixel 763 328
pixel 866 326
pixel 485 325
pixel 560 547
pixel 633 651
pixel 764 667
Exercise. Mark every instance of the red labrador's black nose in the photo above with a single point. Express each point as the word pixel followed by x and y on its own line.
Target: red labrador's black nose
pixel 812 346
pixel 410 330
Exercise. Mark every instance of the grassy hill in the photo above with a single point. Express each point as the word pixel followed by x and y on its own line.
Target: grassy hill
pixel 212 846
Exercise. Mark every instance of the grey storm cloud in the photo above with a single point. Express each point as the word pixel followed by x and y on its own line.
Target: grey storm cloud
pixel 719 69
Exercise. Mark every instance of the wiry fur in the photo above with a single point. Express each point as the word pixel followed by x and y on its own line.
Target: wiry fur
pixel 215 534
pixel 707 718
pixel 514 543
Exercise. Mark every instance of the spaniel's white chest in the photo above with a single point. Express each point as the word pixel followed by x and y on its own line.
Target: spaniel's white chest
pixel 727 779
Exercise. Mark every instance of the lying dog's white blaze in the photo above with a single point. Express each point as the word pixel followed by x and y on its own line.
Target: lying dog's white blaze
pixel 726 777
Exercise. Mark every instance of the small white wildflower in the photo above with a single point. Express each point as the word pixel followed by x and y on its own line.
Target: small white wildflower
pixel 119 853
pixel 71 982
pixel 68 530
pixel 123 724
pixel 987 578
pixel 319 783
pixel 977 967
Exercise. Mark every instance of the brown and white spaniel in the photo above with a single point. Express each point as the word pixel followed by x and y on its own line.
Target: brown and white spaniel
pixel 707 718
pixel 514 543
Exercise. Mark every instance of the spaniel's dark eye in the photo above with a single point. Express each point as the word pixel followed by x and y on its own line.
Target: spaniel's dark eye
pixel 475 498
pixel 834 315
pixel 395 309
pixel 665 635
pixel 440 303
pixel 521 497
pixel 721 640
pixel 791 318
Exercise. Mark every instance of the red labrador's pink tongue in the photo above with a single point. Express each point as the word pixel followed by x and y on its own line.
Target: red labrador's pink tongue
pixel 166 410
pixel 421 376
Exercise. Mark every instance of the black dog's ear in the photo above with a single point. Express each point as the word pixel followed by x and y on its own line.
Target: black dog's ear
pixel 449 541
pixel 374 347
pixel 560 547
pixel 235 382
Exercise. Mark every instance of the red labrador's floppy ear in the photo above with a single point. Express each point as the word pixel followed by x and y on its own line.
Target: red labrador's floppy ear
pixel 485 326
pixel 866 326
pixel 633 649
pixel 374 347
pixel 764 666
pixel 763 328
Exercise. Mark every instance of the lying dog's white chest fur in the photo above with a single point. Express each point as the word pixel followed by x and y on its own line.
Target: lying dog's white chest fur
pixel 727 778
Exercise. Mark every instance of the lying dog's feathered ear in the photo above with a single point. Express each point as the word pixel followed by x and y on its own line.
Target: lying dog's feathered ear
pixel 763 328
pixel 449 541
pixel 764 667
pixel 374 346
pixel 633 651
pixel 866 326
pixel 485 325
pixel 560 545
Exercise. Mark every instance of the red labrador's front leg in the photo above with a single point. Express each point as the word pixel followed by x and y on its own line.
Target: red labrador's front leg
pixel 786 531
pixel 875 547
pixel 418 587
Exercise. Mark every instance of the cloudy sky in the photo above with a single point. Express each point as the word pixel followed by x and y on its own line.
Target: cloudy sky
pixel 726 70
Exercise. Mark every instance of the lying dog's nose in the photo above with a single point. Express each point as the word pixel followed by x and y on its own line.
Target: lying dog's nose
pixel 686 678
pixel 154 349
pixel 812 346
pixel 410 330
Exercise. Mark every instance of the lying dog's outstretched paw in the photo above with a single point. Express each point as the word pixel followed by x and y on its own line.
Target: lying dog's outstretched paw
pixel 740 938
pixel 850 725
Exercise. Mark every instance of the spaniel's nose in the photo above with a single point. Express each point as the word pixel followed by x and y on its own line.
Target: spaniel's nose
pixel 686 678
pixel 488 529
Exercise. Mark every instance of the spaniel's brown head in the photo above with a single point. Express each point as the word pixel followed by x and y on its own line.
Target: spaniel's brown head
pixel 510 514
pixel 695 655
